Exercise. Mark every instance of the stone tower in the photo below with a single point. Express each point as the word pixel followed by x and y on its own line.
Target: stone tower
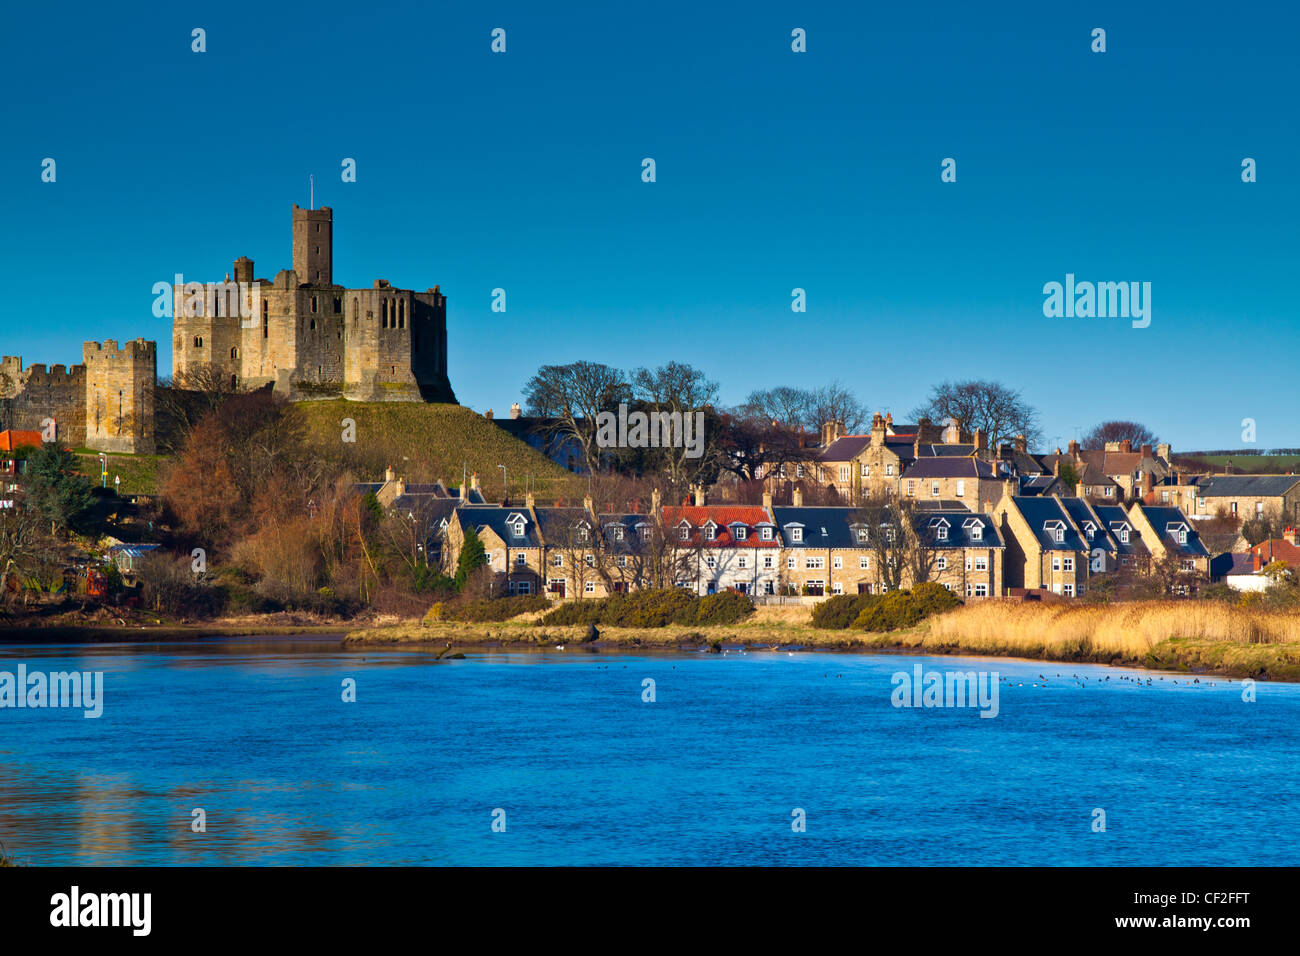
pixel 313 245
pixel 119 395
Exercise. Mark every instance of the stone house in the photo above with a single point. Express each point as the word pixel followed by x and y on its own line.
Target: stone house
pixel 1246 496
pixel 1045 550
pixel 732 546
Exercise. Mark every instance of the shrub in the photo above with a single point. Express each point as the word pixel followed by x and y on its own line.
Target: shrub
pixel 497 609
pixel 654 608
pixel 931 598
pixel 725 607
pixel 840 611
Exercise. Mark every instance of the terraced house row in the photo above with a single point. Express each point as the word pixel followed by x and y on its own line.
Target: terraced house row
pixel 1020 544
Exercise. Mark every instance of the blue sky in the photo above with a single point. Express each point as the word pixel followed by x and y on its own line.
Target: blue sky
pixel 775 170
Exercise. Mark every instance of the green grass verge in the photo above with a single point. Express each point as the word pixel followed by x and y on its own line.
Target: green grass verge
pixel 429 442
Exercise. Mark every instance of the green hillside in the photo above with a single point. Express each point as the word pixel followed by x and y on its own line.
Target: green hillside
pixel 139 473
pixel 430 442
pixel 1242 464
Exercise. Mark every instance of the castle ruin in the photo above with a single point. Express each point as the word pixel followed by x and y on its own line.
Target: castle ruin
pixel 310 338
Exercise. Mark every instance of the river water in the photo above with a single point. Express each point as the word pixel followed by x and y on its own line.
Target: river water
pixel 557 757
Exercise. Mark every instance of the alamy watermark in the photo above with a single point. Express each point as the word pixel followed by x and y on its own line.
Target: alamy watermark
pixel 214 299
pixel 651 430
pixel 947 689
pixel 84 689
pixel 1102 300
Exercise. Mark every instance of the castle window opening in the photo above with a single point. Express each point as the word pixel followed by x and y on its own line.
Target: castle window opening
pixel 198 341
pixel 313 303
pixel 233 382
pixel 338 305
pixel 313 325
pixel 234 353
pixel 265 326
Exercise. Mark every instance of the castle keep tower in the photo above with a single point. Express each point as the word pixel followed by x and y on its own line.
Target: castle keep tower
pixel 313 245
pixel 310 338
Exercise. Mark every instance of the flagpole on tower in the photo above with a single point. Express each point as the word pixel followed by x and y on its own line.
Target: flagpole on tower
pixel 311 181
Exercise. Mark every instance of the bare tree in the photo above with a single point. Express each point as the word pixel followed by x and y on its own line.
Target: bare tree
pixel 996 409
pixel 899 537
pixel 573 395
pixel 783 405
pixel 835 403
pixel 1135 432
pixel 678 390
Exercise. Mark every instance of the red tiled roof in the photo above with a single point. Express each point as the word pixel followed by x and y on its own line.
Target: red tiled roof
pixel 10 439
pixel 1278 549
pixel 722 516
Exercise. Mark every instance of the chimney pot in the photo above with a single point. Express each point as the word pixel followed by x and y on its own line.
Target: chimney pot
pixel 797 497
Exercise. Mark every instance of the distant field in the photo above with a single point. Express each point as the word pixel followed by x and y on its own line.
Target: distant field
pixel 430 442
pixel 1258 464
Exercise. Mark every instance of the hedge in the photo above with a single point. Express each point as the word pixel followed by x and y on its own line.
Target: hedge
pixel 899 609
pixel 654 608
pixel 497 609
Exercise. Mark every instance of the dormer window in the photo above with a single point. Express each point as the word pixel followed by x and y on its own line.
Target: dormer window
pixel 739 533
pixel 977 532
pixel 683 532
pixel 1182 537
pixel 941 533
pixel 862 535
pixel 710 532
pixel 796 534
pixel 1056 529
pixel 618 532
pixel 765 534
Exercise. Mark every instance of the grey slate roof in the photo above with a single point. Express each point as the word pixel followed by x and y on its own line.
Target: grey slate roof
pixel 949 468
pixel 834 520
pixel 1112 515
pixel 1161 518
pixel 962 525
pixel 1235 486
pixel 495 517
pixel 846 448
pixel 1038 511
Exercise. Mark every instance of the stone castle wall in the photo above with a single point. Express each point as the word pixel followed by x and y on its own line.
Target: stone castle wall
pixel 106 403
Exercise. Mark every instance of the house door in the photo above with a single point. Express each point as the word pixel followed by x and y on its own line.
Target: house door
pixel 557 587
pixel 864 588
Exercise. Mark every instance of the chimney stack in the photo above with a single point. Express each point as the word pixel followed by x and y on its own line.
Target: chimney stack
pixel 473 481
pixel 528 500
pixel 981 440
pixel 1126 445
pixel 389 474
pixel 1079 490
pixel 1074 449
pixel 699 495
pixel 1289 536
pixel 877 430
pixel 1146 451
pixel 400 487
pixel 488 416
pixel 796 496
pixel 1022 444
pixel 767 501
pixel 515 410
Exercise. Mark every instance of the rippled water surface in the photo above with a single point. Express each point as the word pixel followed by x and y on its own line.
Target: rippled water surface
pixel 586 772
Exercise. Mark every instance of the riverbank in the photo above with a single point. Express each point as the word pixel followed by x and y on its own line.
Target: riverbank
pixel 140 633
pixel 1186 636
